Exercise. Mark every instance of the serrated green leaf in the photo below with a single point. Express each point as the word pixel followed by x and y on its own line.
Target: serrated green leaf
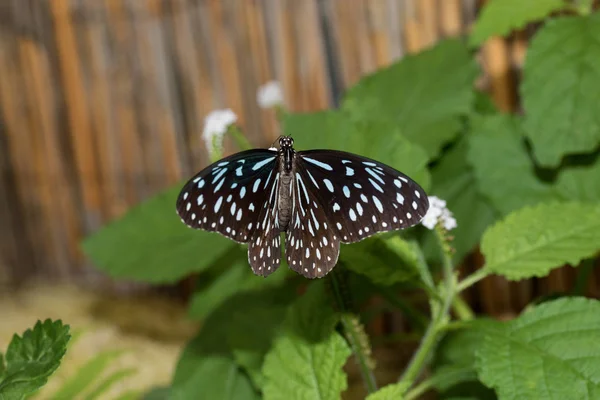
pixel 307 358
pixel 394 391
pixel 32 358
pixel 561 89
pixel 454 181
pixel 533 240
pixel 550 352
pixel 500 17
pixel 380 140
pixel 504 172
pixel 87 374
pixel 424 94
pixel 151 244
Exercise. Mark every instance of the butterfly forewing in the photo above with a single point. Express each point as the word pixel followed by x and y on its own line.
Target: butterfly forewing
pixel 361 196
pixel 312 247
pixel 230 195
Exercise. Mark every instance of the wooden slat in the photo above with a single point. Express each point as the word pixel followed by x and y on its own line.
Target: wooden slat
pixel 76 107
pixel 122 78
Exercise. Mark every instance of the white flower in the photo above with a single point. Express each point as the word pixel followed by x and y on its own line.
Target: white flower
pixel 269 95
pixel 438 213
pixel 215 126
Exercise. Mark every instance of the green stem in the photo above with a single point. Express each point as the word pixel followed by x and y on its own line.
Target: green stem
pixel 472 279
pixel 462 309
pixel 240 139
pixel 439 377
pixel 216 154
pixel 354 333
pixel 438 320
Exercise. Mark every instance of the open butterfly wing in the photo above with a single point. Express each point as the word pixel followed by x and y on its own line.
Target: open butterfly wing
pixel 236 197
pixel 360 196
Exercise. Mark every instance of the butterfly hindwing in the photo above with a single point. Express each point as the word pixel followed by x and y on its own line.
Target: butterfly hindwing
pixel 264 248
pixel 229 196
pixel 361 196
pixel 312 247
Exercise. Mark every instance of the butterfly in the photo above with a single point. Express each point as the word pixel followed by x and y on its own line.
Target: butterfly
pixel 318 198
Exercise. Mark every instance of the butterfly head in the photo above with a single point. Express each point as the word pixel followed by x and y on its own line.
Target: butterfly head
pixel 286 142
pixel 286 147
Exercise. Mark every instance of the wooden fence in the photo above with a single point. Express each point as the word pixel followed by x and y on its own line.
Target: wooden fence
pixel 102 101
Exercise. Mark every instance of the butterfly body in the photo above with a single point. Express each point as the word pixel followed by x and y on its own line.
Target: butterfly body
pixel 318 198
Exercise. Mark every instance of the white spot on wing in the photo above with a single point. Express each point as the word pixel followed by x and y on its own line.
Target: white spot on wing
pixel 318 163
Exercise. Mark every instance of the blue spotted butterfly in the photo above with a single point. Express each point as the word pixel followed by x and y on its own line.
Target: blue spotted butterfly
pixel 319 198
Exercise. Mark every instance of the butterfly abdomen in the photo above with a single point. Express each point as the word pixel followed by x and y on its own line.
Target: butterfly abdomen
pixel 285 200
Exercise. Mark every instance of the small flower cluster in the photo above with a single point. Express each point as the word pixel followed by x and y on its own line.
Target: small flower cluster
pixel 269 95
pixel 438 213
pixel 215 126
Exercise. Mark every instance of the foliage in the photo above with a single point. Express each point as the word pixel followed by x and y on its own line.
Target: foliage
pixel 524 187
pixel 31 358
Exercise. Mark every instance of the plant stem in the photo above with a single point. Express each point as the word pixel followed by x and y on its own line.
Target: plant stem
pixel 431 382
pixel 462 309
pixel 438 320
pixel 354 333
pixel 241 140
pixel 471 279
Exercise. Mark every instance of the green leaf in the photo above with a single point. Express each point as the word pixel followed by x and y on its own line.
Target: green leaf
pixel 454 371
pixel 108 382
pixel 307 358
pixel 216 378
pixel 158 393
pixel 88 374
pixel 394 391
pixel 561 89
pixel 533 240
pixel 236 278
pixel 454 181
pixel 151 244
pixel 384 260
pixel 380 140
pixel 32 358
pixel 579 183
pixel 504 172
pixel 500 17
pixel 213 344
pixel 425 104
pixel 551 351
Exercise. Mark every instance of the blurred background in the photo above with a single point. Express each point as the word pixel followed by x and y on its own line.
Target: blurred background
pixel 102 105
